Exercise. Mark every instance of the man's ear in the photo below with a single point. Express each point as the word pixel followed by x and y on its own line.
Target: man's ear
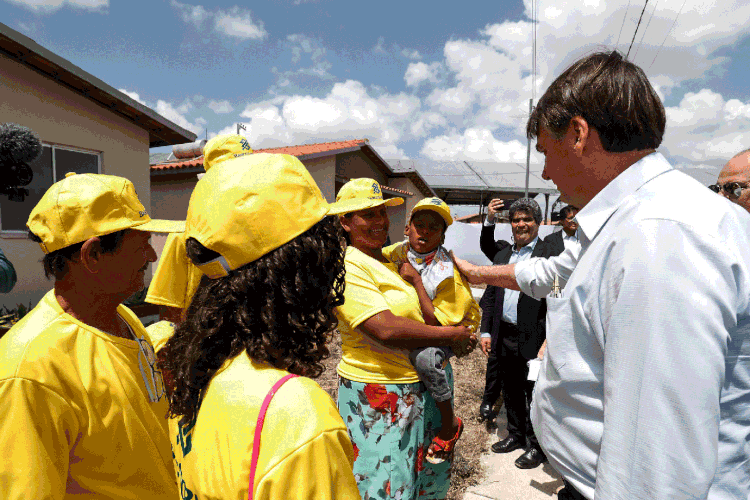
pixel 406 230
pixel 579 128
pixel 345 223
pixel 91 253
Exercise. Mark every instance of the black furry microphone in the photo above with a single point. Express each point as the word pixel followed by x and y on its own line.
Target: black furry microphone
pixel 18 147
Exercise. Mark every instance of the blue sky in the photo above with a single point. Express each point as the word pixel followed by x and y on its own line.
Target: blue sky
pixel 443 81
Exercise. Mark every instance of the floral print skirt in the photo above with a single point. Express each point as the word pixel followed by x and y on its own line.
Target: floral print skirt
pixel 391 427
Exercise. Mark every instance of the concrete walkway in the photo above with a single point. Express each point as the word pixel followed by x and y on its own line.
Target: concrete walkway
pixel 505 481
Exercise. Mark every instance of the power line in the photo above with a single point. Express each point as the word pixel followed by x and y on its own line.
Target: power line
pixel 645 30
pixel 668 32
pixel 624 16
pixel 636 29
pixel 534 15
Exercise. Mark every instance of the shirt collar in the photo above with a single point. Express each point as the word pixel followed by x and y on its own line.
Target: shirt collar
pixel 529 247
pixel 595 214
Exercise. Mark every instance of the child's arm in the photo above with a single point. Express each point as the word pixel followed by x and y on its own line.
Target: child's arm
pixel 411 276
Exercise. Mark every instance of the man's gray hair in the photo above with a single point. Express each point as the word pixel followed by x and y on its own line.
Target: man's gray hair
pixel 526 205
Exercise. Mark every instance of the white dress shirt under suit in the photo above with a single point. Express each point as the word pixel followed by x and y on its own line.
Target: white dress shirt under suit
pixel 644 392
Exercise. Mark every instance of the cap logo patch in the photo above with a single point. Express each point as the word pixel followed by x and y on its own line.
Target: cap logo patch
pixel 375 188
pixel 245 145
pixel 436 201
pixel 142 213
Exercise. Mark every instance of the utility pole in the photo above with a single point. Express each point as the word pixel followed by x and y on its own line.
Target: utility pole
pixel 240 126
pixel 528 156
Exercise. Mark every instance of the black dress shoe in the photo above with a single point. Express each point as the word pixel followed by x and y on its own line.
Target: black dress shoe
pixel 485 411
pixel 532 459
pixel 507 445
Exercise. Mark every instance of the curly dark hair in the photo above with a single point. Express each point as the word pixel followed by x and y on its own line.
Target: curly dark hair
pixel 278 309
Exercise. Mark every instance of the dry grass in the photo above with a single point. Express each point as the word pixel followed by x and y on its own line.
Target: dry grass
pixel 469 385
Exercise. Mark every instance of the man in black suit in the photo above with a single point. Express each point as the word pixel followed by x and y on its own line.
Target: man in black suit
pixel 560 240
pixel 487 242
pixel 516 325
pixel 490 247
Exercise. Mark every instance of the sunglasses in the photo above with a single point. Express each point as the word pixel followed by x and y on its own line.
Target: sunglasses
pixel 733 189
pixel 151 376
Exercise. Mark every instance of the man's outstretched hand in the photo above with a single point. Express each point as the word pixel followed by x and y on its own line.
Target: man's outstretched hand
pixel 469 270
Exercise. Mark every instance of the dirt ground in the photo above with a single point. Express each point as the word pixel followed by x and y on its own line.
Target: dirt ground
pixel 469 385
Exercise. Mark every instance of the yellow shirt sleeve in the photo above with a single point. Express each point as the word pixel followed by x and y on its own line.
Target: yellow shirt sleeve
pixel 454 303
pixel 35 457
pixel 176 278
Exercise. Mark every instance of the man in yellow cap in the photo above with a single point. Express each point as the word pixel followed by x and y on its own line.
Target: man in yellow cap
pixel 83 406
pixel 445 299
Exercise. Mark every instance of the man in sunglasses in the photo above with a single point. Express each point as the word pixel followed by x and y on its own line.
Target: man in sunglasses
pixel 82 406
pixel 734 180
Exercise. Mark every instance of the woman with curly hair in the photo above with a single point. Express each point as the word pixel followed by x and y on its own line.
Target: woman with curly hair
pixel 390 415
pixel 257 227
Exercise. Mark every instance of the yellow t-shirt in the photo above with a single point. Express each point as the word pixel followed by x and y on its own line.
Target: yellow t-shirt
pixel 373 287
pixel 176 278
pixel 75 415
pixel 454 303
pixel 305 449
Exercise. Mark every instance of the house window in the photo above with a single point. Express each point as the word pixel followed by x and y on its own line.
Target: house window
pixel 50 167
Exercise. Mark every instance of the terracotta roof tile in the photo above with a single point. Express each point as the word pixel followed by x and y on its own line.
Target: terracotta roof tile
pixel 304 150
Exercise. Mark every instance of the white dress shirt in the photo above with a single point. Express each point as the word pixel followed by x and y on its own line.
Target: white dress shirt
pixel 570 240
pixel 536 276
pixel 644 392
pixel 510 299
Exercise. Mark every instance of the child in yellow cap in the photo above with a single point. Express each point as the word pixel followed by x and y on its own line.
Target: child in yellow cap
pixel 445 299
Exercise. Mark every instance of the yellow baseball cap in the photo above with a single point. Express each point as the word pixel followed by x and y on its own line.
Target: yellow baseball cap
pixel 224 147
pixel 83 206
pixel 243 209
pixel 361 194
pixel 435 205
pixel 176 278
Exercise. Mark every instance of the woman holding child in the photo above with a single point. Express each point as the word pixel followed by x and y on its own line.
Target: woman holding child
pixel 391 417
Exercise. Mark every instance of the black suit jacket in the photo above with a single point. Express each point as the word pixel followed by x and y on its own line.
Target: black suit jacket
pixel 555 243
pixel 531 312
pixel 487 242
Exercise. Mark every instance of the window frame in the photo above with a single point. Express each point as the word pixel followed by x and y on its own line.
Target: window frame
pixel 23 233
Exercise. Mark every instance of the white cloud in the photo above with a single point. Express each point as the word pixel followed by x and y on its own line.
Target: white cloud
pixel 191 14
pixel 474 144
pixel 220 106
pixel 177 116
pixel 707 129
pixel 133 95
pixel 49 6
pixel 238 22
pixel 348 111
pixel 235 22
pixel 420 72
pixel 481 87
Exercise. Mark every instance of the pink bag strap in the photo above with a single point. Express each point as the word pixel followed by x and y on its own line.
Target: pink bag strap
pixel 259 429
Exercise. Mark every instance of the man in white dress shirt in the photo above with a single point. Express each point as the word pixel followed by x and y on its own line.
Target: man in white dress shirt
pixel 645 388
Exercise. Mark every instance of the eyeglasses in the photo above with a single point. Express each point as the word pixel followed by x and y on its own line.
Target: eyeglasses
pixel 733 189
pixel 151 376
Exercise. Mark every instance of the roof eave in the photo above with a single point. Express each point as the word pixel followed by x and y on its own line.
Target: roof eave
pixel 26 51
